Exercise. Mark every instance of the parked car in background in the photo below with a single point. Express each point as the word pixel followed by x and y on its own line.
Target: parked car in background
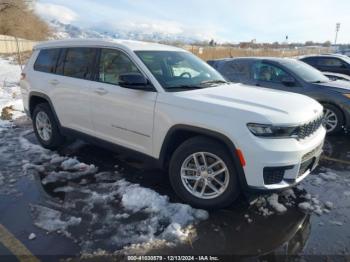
pixel 335 63
pixel 293 76
pixel 165 104
pixel 336 76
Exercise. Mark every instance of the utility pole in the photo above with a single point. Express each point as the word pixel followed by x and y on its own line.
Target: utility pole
pixel 337 27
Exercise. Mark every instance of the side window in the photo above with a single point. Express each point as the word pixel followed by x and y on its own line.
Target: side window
pixel 269 73
pixel 46 61
pixel 242 70
pixel 114 63
pixel 311 61
pixel 330 62
pixel 79 62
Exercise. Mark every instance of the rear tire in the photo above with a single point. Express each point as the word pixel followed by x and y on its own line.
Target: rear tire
pixel 188 168
pixel 333 119
pixel 46 127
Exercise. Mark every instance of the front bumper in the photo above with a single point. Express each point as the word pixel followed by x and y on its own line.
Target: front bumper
pixel 273 164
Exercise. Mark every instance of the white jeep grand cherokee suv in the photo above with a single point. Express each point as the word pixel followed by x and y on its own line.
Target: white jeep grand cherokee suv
pixel 162 102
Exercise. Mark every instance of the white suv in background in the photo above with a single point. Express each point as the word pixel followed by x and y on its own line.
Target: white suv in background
pixel 167 105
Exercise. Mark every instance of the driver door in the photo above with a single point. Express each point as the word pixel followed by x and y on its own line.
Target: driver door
pixel 272 76
pixel 121 115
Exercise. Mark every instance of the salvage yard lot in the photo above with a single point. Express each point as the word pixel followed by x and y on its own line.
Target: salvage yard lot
pixel 85 200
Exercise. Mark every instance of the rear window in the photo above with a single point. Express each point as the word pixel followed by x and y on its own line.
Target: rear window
pixel 79 62
pixel 46 61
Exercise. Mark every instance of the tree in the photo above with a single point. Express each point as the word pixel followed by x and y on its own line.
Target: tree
pixel 327 44
pixel 17 18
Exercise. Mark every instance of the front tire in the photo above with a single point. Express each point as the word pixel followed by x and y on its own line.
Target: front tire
pixel 203 174
pixel 46 128
pixel 333 119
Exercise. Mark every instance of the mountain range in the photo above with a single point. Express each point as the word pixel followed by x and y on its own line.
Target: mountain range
pixel 62 31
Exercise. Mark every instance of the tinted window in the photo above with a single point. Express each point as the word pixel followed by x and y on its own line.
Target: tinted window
pixel 331 62
pixel 310 60
pixel 46 61
pixel 304 71
pixel 114 63
pixel 270 73
pixel 236 71
pixel 79 62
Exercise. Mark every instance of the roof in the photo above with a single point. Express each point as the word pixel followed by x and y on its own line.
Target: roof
pixel 123 44
pixel 275 59
pixel 325 55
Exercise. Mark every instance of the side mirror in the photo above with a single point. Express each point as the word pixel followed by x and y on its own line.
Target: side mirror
pixel 134 81
pixel 288 81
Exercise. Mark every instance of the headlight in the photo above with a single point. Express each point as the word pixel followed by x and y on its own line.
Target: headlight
pixel 271 131
pixel 347 95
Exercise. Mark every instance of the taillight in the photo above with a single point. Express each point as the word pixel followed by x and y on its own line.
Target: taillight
pixel 23 76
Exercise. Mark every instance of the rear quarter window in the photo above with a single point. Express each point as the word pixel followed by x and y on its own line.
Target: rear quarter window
pixel 46 60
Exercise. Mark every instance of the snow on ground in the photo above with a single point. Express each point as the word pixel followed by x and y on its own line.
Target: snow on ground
pixel 105 211
pixel 10 94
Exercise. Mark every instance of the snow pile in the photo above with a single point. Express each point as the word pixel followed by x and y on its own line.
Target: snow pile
pixel 313 204
pixel 11 106
pixel 328 176
pixel 111 211
pixel 136 199
pixel 52 220
pixel 118 214
pixel 72 169
pixel 275 203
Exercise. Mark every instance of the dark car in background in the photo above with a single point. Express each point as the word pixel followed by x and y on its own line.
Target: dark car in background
pixel 293 76
pixel 336 76
pixel 329 63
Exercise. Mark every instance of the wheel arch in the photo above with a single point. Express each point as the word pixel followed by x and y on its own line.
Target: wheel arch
pixel 36 98
pixel 178 134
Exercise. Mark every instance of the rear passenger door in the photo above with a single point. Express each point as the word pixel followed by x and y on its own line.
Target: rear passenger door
pixel 121 115
pixel 72 82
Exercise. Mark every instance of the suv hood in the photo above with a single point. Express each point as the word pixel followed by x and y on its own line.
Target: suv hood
pixel 340 86
pixel 257 104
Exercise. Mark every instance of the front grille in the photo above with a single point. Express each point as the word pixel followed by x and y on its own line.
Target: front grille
pixel 307 165
pixel 308 129
pixel 274 175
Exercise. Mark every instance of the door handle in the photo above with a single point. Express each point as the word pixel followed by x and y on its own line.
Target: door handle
pixel 54 82
pixel 101 91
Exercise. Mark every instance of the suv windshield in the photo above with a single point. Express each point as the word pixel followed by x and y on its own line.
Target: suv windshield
pixel 178 70
pixel 305 71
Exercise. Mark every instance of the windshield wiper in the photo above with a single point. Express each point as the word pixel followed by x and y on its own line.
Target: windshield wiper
pixel 184 87
pixel 318 82
pixel 214 82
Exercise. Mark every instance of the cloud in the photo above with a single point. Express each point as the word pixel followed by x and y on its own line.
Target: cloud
pixel 58 12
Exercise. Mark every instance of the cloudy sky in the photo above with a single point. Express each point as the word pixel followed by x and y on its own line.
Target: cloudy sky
pixel 223 20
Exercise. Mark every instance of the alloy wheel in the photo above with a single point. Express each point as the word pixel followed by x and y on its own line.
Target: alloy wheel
pixel 330 120
pixel 43 126
pixel 205 175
